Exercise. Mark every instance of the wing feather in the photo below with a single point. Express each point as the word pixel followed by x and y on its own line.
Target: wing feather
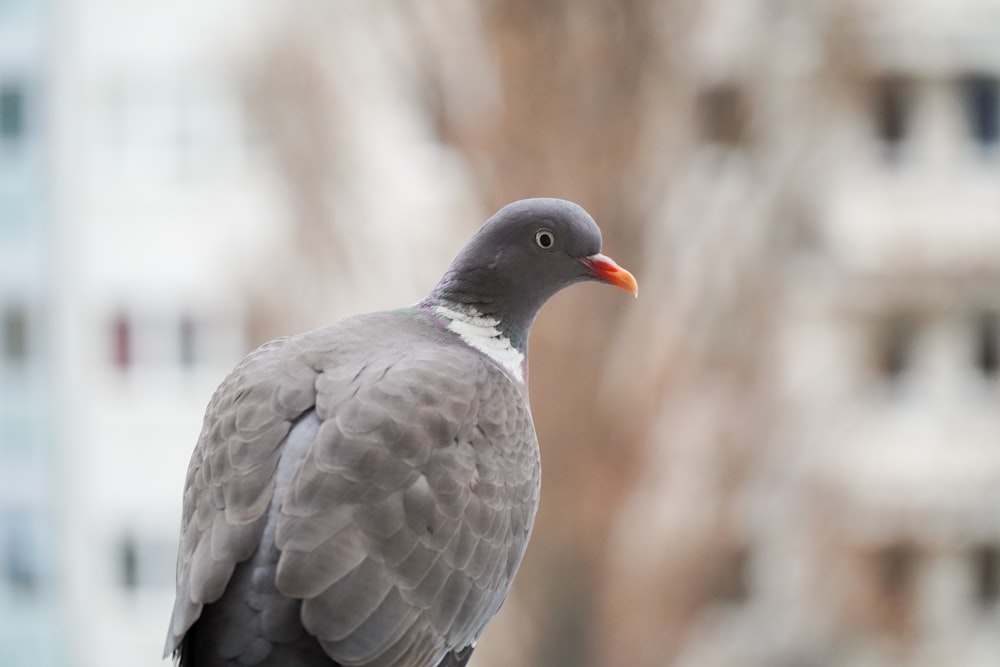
pixel 424 455
pixel 230 479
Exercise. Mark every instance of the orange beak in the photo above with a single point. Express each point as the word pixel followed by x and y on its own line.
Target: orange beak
pixel 605 269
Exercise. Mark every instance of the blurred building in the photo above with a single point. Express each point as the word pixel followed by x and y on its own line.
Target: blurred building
pixel 158 206
pixel 865 529
pixel 29 612
pixel 888 360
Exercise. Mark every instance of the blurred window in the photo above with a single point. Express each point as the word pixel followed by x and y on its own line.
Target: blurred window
pixel 732 581
pixel 15 334
pixel 163 341
pixel 986 571
pixel 19 551
pixel 987 345
pixel 188 341
pixel 723 115
pixel 129 558
pixel 895 346
pixel 121 331
pixel 184 128
pixel 145 563
pixel 893 99
pixel 979 94
pixel 897 566
pixel 11 111
pixel 895 570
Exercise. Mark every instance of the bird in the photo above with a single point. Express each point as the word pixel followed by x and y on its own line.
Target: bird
pixel 362 494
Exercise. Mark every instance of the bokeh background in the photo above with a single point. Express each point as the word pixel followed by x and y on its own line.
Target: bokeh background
pixel 786 453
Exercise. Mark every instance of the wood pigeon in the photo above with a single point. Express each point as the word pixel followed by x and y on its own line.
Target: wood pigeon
pixel 362 494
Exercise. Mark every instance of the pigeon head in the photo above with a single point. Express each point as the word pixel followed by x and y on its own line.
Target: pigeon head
pixel 525 253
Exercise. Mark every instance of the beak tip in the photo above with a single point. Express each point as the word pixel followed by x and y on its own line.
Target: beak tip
pixel 627 283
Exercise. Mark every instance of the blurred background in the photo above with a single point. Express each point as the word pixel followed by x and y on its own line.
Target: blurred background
pixel 786 453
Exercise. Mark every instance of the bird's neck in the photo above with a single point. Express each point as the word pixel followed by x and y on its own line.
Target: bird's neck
pixel 485 292
pixel 486 333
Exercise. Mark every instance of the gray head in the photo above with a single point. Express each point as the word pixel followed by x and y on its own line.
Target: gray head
pixel 526 252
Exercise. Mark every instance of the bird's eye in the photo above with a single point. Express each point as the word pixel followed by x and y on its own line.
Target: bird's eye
pixel 545 239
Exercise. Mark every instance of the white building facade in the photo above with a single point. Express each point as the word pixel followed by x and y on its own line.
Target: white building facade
pixel 871 525
pixel 159 207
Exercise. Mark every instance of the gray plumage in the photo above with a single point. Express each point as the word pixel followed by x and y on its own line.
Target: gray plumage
pixel 362 494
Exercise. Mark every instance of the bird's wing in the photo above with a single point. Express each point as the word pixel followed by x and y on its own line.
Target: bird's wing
pixel 403 527
pixel 230 479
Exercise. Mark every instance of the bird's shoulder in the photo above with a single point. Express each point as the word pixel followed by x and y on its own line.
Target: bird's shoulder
pixel 280 375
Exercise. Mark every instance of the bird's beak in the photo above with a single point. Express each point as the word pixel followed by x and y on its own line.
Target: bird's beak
pixel 605 269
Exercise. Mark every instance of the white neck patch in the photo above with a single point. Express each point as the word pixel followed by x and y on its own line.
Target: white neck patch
pixel 482 333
